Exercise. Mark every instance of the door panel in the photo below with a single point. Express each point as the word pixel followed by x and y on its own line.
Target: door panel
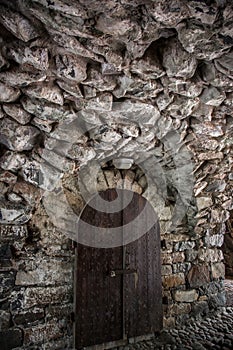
pixel 143 290
pixel 98 296
pixel 130 303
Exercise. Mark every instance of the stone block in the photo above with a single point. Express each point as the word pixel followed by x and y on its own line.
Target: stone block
pixel 204 202
pixel 42 272
pixel 17 24
pixel 13 233
pixel 71 67
pixel 169 322
pixel 166 258
pixel 19 78
pixel 214 240
pixel 40 333
pixel 65 343
pixel 200 308
pixel 18 137
pixel 166 270
pixel 178 257
pixel 65 311
pixel 177 61
pixel 173 280
pixel 210 255
pixel 191 255
pixel 181 246
pixel 7 281
pixel 181 267
pixel 179 309
pixel 12 161
pixel 198 275
pixel 18 113
pixel 36 296
pixel 218 270
pixel 8 93
pixel 46 91
pixel 185 296
pixel 28 317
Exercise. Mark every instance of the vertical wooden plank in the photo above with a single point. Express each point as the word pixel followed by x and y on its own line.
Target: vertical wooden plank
pixel 99 297
pixel 143 291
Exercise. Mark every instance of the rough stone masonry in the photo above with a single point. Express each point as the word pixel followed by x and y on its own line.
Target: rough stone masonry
pixel 89 81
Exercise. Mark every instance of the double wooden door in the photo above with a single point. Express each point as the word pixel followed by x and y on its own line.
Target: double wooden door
pixel 118 289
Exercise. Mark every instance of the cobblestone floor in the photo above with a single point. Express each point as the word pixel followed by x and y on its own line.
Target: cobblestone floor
pixel 213 332
pixel 229 292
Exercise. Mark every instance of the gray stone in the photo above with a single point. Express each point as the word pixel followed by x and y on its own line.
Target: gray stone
pixel 186 296
pixel 148 67
pixel 218 270
pixel 12 161
pixel 17 137
pixel 41 174
pixel 136 88
pixel 71 67
pixel 120 28
pixel 37 334
pixel 58 21
pixel 169 13
pixel 100 103
pixel 198 276
pixel 72 45
pixel 181 246
pixel 18 113
pixel 43 125
pixel 97 80
pixel 8 93
pixel 204 202
pixel 200 41
pixel 224 64
pixel 37 57
pixel 212 96
pixel 72 88
pixel 211 129
pixel 45 110
pixel 182 107
pixel 178 62
pixel 205 13
pixel 17 24
pixel 214 240
pixel 46 91
pixel 20 78
pixel 67 7
pixel 44 272
pixel 182 87
pixel 142 113
pixel 210 255
pixel 15 214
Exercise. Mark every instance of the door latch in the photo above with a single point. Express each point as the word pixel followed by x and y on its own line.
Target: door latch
pixel 114 273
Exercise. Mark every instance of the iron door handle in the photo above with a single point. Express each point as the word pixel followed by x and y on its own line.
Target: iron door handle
pixel 114 273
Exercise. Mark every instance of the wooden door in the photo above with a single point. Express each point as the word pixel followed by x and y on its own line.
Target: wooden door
pixel 119 289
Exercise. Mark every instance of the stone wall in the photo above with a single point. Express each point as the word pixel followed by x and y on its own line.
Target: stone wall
pixel 80 85
pixel 228 248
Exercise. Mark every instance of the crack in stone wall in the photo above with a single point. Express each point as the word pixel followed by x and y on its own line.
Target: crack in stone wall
pixel 93 81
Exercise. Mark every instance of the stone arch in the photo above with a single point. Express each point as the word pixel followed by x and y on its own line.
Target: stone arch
pixel 68 201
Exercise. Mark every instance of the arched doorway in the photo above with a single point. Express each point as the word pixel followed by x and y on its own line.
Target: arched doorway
pixel 118 288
